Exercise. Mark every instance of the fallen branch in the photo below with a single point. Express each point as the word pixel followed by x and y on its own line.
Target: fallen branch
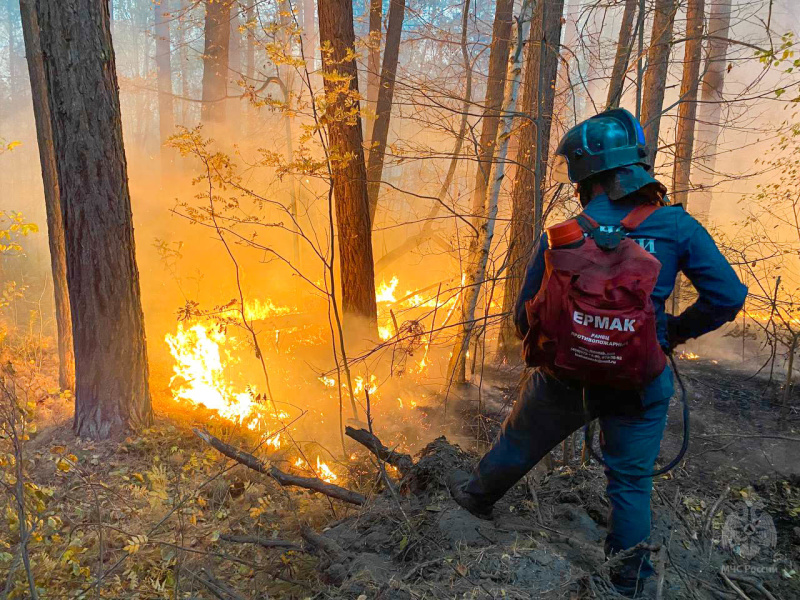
pixel 284 479
pixel 767 436
pixel 403 462
pixel 733 586
pixel 320 542
pixel 216 587
pixel 753 582
pixel 263 542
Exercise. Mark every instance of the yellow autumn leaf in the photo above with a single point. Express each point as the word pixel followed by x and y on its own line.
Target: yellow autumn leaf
pixel 135 544
pixel 14 144
pixel 62 465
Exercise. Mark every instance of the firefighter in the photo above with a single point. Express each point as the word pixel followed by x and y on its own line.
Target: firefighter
pixel 607 159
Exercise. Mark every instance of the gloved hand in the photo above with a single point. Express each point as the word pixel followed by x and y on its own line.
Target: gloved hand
pixel 674 338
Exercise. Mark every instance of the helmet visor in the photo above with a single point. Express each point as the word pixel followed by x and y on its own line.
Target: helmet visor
pixel 560 172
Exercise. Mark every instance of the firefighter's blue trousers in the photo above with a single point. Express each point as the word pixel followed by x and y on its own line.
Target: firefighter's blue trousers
pixel 547 411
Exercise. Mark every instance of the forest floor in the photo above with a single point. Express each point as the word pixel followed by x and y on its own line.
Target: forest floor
pixel 161 514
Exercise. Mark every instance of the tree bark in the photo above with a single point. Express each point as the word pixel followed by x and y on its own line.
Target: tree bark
pixel 622 56
pixel 166 115
pixel 346 151
pixel 481 244
pixel 374 61
pixel 687 109
pixel 426 233
pixel 538 97
pixel 655 77
pixel 215 61
pixel 710 109
pixel 495 88
pixel 111 392
pixel 235 73
pixel 383 111
pixel 52 202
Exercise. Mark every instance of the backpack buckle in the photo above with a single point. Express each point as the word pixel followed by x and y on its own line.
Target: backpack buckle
pixel 607 240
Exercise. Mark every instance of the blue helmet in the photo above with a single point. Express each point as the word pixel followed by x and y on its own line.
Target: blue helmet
pixel 604 142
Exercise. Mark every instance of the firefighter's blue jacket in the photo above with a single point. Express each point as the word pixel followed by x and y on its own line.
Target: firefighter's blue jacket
pixel 680 243
pixel 549 409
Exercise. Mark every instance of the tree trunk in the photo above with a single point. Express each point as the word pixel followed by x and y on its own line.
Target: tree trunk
pixel 374 61
pixel 346 153
pixel 655 78
pixel 538 98
pixel 55 222
pixel 112 393
pixel 481 244
pixel 710 110
pixel 183 58
pixel 215 61
pixel 687 109
pixel 235 70
pixel 166 115
pixel 495 88
pixel 380 131
pixel 426 232
pixel 622 56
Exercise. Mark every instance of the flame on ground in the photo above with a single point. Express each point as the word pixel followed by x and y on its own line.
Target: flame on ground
pixel 199 374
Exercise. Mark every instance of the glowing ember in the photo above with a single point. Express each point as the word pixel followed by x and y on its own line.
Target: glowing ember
pixel 688 356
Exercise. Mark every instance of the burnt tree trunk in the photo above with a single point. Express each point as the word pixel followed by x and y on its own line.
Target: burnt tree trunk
pixel 687 113
pixel 346 153
pixel 622 56
pixel 166 114
pixel 710 110
pixel 52 202
pixel 655 77
pixel 374 61
pixel 687 109
pixel 538 97
pixel 383 111
pixel 495 89
pixel 111 392
pixel 215 61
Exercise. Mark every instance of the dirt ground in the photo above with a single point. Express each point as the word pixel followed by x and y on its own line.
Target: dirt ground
pixel 196 509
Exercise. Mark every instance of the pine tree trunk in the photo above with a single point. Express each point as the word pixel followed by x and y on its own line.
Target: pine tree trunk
pixel 235 70
pixel 495 87
pixel 183 58
pixel 655 77
pixel 347 159
pixel 622 56
pixel 215 61
pixel 481 244
pixel 383 111
pixel 111 392
pixel 374 62
pixel 166 115
pixel 538 98
pixel 687 109
pixel 55 222
pixel 710 109
pixel 426 232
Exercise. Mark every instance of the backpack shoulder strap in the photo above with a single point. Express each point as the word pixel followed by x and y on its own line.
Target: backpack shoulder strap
pixel 587 223
pixel 638 216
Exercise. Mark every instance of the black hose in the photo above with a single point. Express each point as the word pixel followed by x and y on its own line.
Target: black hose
pixel 588 434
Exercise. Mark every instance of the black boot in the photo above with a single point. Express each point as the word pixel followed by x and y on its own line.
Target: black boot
pixel 457 482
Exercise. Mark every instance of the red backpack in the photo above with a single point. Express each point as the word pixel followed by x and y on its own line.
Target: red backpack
pixel 593 319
